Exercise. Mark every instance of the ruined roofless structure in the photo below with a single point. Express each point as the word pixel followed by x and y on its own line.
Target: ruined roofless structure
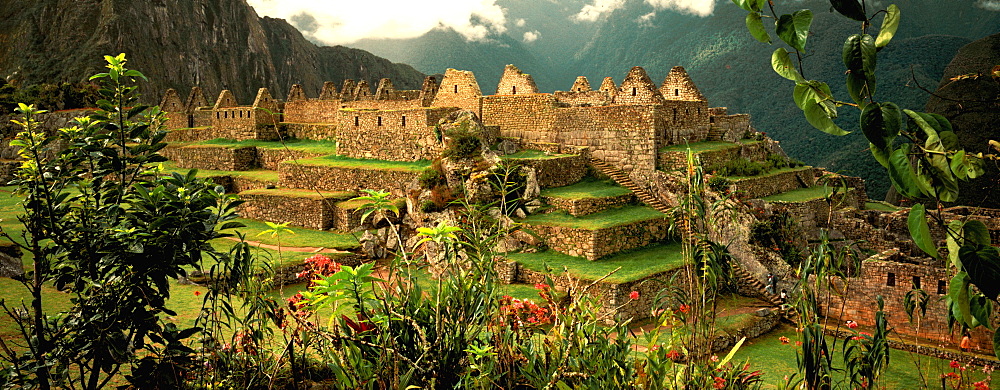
pixel 623 125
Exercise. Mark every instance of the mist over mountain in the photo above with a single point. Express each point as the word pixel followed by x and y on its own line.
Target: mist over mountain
pixel 178 44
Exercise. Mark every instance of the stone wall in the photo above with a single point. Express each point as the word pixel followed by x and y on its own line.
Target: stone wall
pixel 558 171
pixel 514 82
pixel 882 276
pixel 397 104
pixel 459 89
pixel 312 111
pixel 637 88
pixel 213 157
pixel 529 118
pixel 774 183
pixel 685 121
pixel 308 209
pixel 679 86
pixel 313 131
pixel 731 127
pixel 398 135
pixel 584 206
pixel 598 243
pixel 326 178
pixel 8 168
pixel 582 98
pixel 236 184
pixel 190 134
pixel 269 158
pixel 624 136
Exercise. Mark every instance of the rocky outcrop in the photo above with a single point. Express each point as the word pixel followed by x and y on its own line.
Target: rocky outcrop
pixel 970 98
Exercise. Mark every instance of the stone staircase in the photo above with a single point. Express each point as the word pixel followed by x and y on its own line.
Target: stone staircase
pixel 715 133
pixel 622 178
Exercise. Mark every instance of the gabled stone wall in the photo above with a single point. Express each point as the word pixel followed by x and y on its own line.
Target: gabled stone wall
pixel 459 89
pixel 514 82
pixel 398 135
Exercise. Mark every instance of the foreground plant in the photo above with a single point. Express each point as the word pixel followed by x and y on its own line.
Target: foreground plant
pixel 112 233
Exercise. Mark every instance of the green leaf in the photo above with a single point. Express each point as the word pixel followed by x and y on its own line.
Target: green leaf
pixel 996 344
pixel 958 291
pixel 860 59
pixel 820 118
pixel 889 26
pixel 919 231
pixel 881 155
pixel 849 8
pixel 881 123
pixel 782 64
pixel 981 309
pixel 901 173
pixel 756 26
pixel 982 263
pixel 794 28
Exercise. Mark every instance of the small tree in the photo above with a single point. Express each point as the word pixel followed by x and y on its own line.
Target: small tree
pixel 104 227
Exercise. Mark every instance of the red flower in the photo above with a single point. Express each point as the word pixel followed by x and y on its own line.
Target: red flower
pixel 798 343
pixel 673 355
pixel 720 383
pixel 197 293
pixel 783 340
pixel 633 295
pixel 954 364
pixel 981 385
pixel 852 324
pixel 684 308
pixel 541 286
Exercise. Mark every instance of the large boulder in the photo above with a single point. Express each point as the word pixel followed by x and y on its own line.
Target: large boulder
pixel 969 96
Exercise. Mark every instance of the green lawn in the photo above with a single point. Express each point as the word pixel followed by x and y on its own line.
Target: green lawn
pixel 880 206
pixel 301 193
pixel 699 147
pixel 635 265
pixel 305 145
pixel 299 237
pixel 348 162
pixel 588 188
pixel 601 220
pixel 533 155
pixel 802 194
pixel 767 353
pixel 256 174
pixel 772 173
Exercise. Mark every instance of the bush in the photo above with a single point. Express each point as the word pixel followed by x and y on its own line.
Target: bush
pixel 778 233
pixel 719 184
pixel 462 144
pixel 739 167
pixel 432 177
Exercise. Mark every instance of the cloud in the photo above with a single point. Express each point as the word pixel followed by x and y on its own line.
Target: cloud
pixel 694 7
pixel 646 20
pixel 989 5
pixel 345 21
pixel 531 36
pixel 592 12
pixel 519 23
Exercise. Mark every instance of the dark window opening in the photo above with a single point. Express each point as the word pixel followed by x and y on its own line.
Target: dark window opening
pixel 677 92
pixel 216 115
pixel 675 115
pixel 456 88
pixel 380 121
pixel 357 121
pixel 225 115
pixel 916 282
pixel 241 114
pixel 404 120
pixel 699 110
pixel 513 90
pixel 942 287
pixel 633 91
pixel 890 280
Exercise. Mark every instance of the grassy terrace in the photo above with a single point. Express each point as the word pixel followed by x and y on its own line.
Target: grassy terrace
pixel 772 173
pixel 304 145
pixel 353 204
pixel 601 220
pixel 337 161
pixel 534 155
pixel 802 194
pixel 298 237
pixel 301 193
pixel 699 147
pixel 255 174
pixel 880 206
pixel 635 265
pixel 588 188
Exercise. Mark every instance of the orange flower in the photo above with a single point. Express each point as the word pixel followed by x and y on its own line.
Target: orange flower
pixel 197 293
pixel 684 308
pixel 783 340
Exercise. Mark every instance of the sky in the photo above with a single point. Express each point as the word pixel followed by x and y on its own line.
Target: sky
pixel 338 22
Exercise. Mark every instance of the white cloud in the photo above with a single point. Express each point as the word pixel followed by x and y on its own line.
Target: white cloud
pixel 519 23
pixel 989 5
pixel 646 20
pixel 694 7
pixel 346 21
pixel 531 36
pixel 592 12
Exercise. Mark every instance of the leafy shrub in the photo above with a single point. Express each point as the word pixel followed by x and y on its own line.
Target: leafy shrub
pixel 739 167
pixel 778 233
pixel 431 177
pixel 719 184
pixel 462 144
